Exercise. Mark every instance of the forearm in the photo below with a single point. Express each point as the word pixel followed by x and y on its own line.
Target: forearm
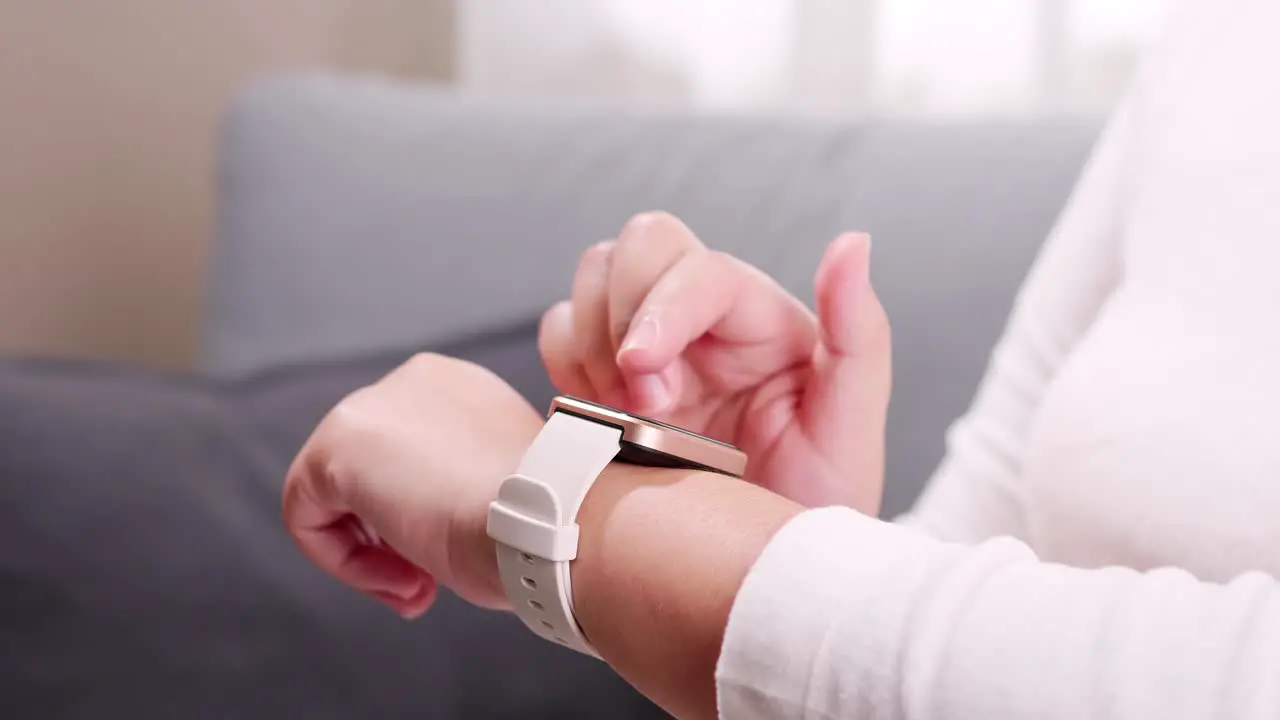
pixel 661 556
pixel 842 615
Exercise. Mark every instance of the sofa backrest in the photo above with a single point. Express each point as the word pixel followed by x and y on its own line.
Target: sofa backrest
pixel 361 215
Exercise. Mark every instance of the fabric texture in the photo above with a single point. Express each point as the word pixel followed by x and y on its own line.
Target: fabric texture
pixel 144 570
pixel 848 617
pixel 1101 539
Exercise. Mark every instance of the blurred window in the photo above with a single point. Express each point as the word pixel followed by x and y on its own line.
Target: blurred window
pixel 926 58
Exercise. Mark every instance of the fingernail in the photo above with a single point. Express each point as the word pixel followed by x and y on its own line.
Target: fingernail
pixel 402 592
pixel 366 533
pixel 396 596
pixel 651 392
pixel 643 335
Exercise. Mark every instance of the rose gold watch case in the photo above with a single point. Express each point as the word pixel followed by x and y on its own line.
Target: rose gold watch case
pixel 658 437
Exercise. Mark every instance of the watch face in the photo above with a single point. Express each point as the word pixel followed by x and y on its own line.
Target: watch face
pixel 654 443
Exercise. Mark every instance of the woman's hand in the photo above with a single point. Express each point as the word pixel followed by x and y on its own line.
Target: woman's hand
pixel 391 492
pixel 659 325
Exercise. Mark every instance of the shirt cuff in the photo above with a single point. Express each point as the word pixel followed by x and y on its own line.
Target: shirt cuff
pixel 817 624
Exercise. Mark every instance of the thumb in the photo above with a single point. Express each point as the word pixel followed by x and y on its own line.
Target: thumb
pixel 845 406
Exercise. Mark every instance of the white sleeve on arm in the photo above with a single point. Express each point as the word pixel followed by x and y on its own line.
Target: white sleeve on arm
pixel 844 616
pixel 975 493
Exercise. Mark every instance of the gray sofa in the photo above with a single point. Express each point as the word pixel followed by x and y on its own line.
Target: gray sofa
pixel 143 571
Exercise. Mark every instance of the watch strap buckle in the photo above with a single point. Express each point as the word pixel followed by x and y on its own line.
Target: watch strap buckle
pixel 530 535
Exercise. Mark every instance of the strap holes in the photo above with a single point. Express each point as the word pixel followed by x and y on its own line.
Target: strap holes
pixel 536 605
pixel 527 558
pixel 561 640
pixel 529 583
pixel 548 625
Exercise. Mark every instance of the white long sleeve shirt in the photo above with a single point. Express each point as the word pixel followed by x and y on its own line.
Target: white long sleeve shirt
pixel 1103 537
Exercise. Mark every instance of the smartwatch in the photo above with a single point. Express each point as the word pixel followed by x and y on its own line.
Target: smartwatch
pixel 533 520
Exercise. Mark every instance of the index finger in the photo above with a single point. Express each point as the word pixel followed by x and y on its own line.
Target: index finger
pixel 710 292
pixel 648 246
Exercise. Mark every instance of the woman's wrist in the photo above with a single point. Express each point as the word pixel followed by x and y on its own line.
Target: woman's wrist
pixel 475 560
pixel 474 554
pixel 661 555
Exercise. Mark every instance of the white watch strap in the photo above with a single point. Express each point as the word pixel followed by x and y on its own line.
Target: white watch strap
pixel 534 522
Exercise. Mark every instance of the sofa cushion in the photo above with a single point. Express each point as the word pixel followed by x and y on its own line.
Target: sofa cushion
pixel 145 572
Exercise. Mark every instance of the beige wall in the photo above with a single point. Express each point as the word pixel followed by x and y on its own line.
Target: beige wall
pixel 108 113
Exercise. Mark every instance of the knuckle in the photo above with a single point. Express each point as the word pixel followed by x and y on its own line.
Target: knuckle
pixel 726 268
pixel 291 499
pixel 553 332
pixel 424 367
pixel 653 232
pixel 547 349
pixel 302 489
pixel 551 319
pixel 422 362
pixel 349 416
pixel 546 341
pixel 650 221
pixel 594 257
pixel 618 329
pixel 422 370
